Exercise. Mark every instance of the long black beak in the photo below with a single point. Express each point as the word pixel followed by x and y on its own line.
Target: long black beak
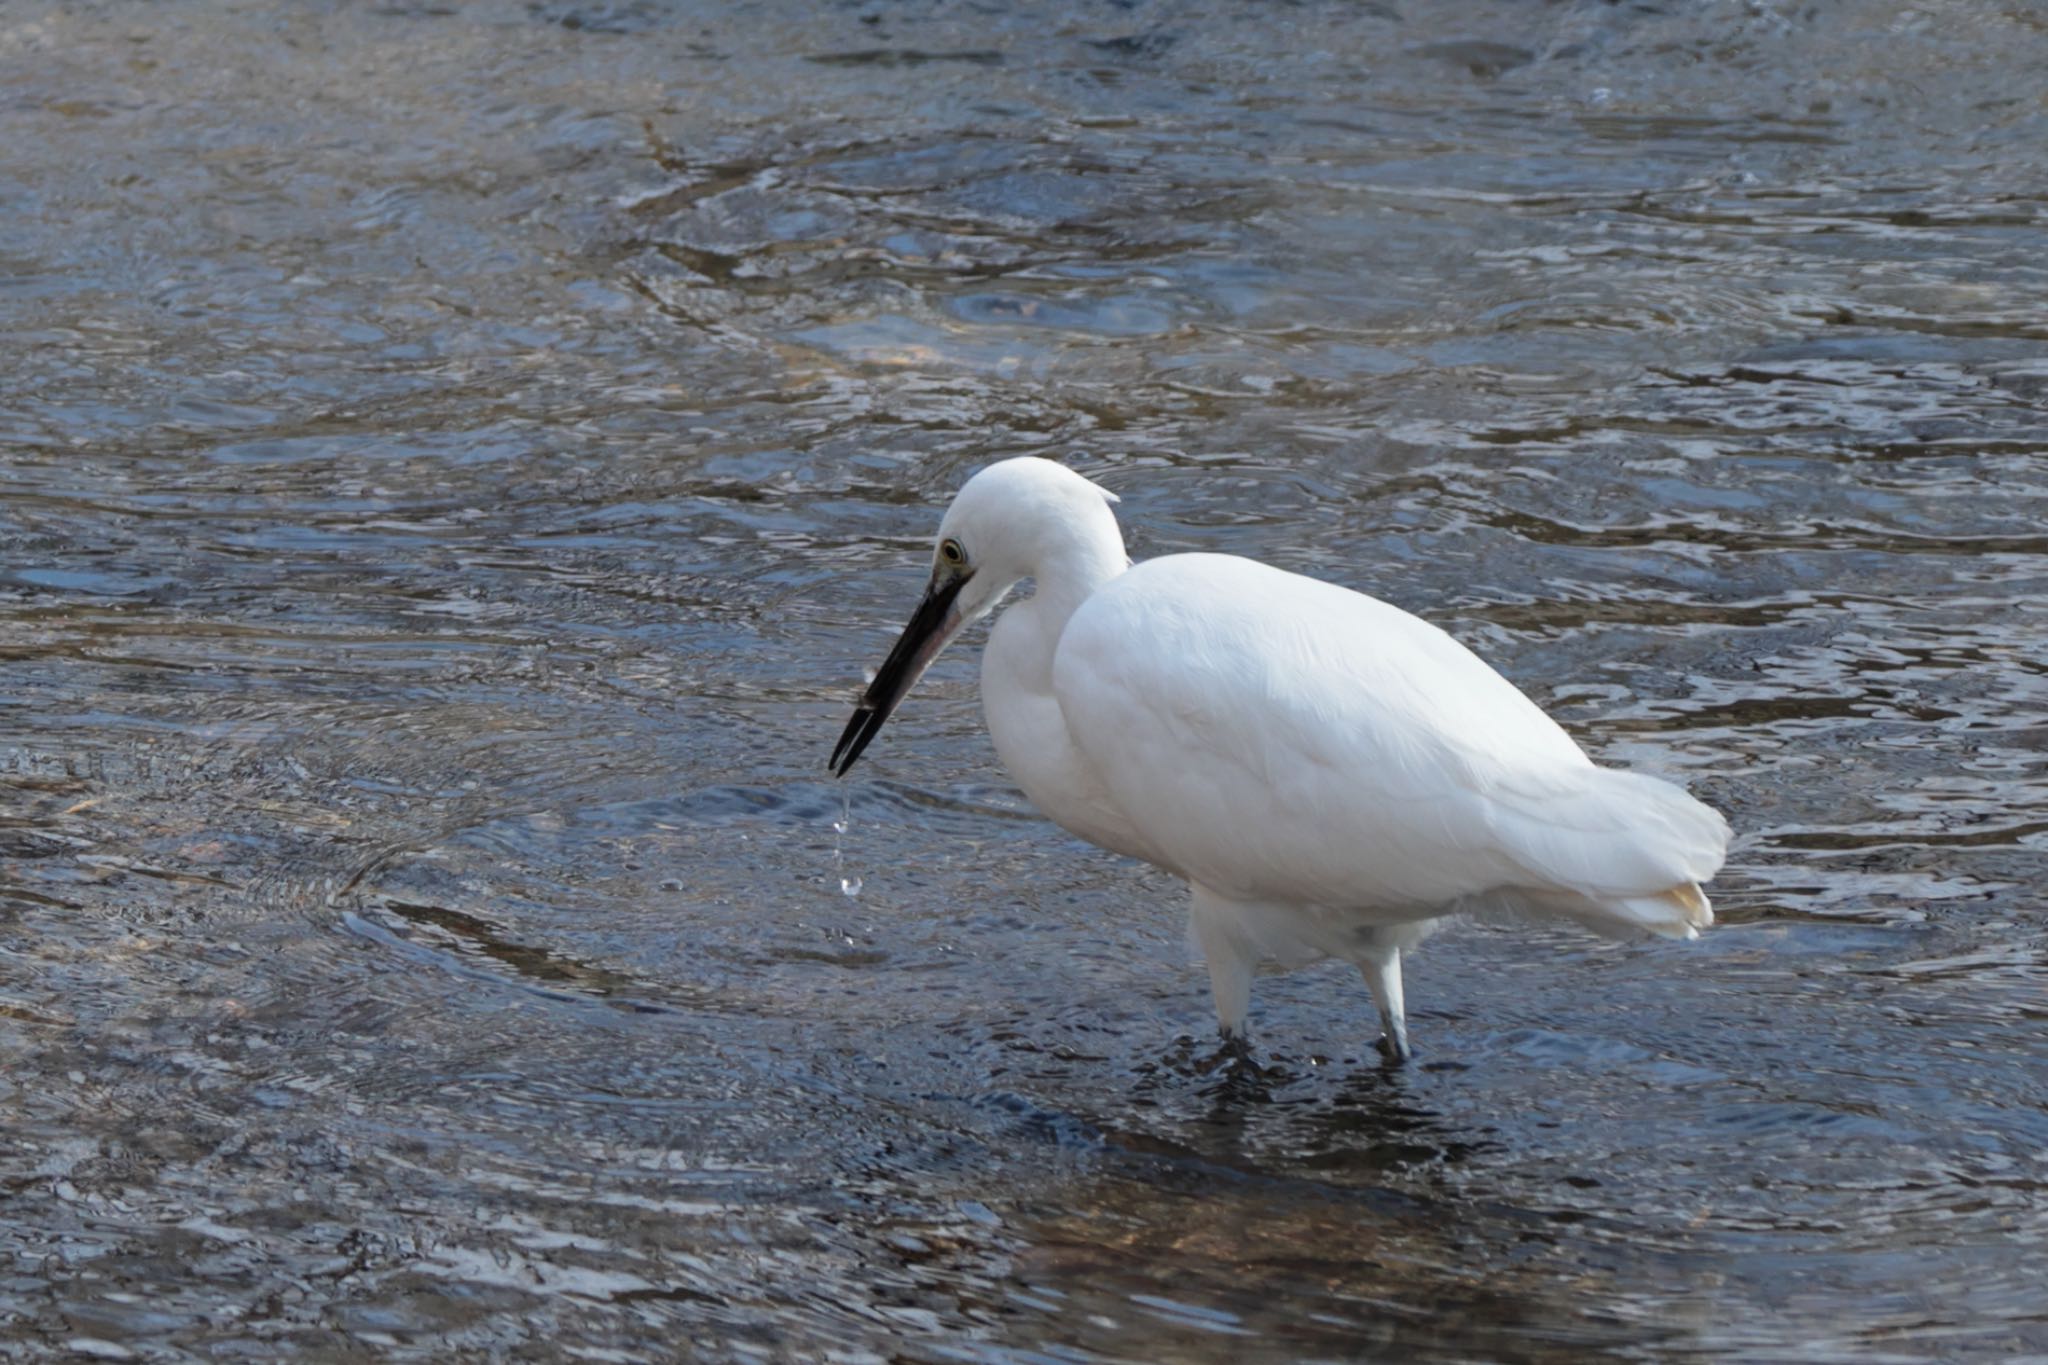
pixel 931 626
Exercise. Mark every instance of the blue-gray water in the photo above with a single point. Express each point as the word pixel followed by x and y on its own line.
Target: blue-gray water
pixel 456 462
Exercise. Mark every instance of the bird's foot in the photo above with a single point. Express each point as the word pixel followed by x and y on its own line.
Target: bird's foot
pixel 1233 1053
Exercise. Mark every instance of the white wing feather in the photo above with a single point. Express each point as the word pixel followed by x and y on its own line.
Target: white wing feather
pixel 1277 738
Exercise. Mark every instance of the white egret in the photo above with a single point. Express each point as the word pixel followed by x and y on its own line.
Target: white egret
pixel 1329 774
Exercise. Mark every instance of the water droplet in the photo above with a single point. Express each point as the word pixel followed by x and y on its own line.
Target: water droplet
pixel 848 886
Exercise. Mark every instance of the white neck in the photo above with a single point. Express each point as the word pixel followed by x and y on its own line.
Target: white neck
pixel 1071 557
pixel 1077 556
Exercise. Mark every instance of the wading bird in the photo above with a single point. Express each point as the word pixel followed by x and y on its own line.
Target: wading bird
pixel 1329 774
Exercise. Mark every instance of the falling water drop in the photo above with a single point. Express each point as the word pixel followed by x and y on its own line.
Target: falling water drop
pixel 848 886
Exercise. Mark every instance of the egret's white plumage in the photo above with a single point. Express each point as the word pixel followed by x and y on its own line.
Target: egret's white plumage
pixel 1330 774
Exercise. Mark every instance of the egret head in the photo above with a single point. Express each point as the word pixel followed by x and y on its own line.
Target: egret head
pixel 1021 518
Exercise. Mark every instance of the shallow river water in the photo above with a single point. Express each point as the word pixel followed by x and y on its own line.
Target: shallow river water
pixel 456 462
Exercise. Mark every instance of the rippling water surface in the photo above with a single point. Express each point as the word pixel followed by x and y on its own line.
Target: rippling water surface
pixel 456 461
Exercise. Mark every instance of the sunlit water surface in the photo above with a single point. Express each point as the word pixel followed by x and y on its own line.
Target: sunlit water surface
pixel 458 460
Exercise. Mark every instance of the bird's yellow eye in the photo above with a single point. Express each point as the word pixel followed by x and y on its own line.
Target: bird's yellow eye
pixel 951 553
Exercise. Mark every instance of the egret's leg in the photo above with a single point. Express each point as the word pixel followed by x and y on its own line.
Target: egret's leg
pixel 1230 960
pixel 1382 970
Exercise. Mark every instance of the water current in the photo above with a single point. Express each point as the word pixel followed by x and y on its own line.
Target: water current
pixel 456 462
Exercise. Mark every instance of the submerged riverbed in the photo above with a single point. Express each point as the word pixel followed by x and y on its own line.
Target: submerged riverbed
pixel 458 461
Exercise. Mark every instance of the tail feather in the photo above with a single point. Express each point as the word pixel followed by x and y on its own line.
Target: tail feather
pixel 1620 853
pixel 1617 837
pixel 1699 911
pixel 1679 912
